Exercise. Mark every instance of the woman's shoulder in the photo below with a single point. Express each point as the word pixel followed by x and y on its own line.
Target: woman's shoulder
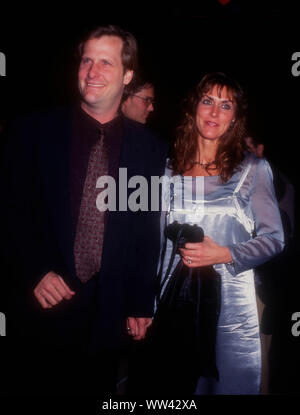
pixel 253 170
pixel 259 171
pixel 254 163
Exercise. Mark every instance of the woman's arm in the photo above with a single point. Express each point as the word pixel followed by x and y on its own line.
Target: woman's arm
pixel 269 239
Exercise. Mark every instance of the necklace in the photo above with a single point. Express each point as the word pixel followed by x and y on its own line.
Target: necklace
pixel 204 165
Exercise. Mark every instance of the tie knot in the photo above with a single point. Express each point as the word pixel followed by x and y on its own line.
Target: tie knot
pixel 101 133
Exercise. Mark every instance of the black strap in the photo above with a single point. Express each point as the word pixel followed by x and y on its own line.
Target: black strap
pixel 174 250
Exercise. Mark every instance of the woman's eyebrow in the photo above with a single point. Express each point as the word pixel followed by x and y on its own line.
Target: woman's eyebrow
pixel 223 100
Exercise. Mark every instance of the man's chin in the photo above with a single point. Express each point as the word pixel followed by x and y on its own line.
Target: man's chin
pixel 91 101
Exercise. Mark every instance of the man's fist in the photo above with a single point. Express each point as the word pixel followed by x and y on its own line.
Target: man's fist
pixel 51 290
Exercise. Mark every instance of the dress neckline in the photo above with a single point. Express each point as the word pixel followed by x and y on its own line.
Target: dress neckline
pixel 194 177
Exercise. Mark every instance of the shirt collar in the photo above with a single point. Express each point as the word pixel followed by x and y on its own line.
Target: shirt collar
pixel 90 122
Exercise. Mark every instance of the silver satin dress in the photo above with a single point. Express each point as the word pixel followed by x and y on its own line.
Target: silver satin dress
pixel 243 215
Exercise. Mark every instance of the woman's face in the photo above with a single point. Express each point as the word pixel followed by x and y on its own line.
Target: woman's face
pixel 215 113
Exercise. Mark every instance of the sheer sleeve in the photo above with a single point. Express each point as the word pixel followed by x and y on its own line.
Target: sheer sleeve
pixel 269 237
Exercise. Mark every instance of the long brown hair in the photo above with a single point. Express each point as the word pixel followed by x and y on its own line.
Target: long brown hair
pixel 230 150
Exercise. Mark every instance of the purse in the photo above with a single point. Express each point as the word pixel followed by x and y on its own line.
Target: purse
pixel 180 344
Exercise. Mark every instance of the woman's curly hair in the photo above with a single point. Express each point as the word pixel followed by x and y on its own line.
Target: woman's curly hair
pixel 230 150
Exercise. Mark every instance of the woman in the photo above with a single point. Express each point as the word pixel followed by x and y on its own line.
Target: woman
pixel 233 201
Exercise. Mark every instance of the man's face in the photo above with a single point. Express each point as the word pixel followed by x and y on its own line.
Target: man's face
pixel 138 106
pixel 257 150
pixel 101 76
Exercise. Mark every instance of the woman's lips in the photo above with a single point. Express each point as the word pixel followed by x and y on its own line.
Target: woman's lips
pixel 211 124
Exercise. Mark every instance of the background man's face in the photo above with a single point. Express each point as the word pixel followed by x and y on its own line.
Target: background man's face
pixel 258 150
pixel 101 76
pixel 136 108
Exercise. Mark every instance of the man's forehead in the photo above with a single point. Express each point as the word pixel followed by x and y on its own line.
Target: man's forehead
pixel 105 43
pixel 149 91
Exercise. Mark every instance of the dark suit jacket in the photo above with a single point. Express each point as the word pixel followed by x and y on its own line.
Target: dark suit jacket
pixel 39 231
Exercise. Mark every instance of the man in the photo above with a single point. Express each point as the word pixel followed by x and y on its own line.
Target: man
pixel 138 101
pixel 268 277
pixel 84 270
pixel 254 147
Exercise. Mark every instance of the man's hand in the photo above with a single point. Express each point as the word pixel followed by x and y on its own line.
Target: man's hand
pixel 51 290
pixel 138 326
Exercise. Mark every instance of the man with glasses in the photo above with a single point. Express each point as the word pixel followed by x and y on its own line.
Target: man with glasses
pixel 138 102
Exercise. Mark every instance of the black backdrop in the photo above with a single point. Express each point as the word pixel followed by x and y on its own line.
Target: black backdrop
pixel 178 44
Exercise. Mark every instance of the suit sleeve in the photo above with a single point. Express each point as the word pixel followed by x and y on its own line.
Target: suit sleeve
pixel 24 238
pixel 147 241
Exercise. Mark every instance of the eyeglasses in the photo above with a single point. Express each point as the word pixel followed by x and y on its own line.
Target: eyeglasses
pixel 147 100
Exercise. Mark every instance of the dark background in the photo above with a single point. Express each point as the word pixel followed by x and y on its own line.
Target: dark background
pixel 252 41
pixel 178 44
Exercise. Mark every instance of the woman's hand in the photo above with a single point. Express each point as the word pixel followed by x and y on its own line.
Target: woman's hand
pixel 204 253
pixel 137 326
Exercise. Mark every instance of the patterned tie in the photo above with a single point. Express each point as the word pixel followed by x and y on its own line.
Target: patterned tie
pixel 90 226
